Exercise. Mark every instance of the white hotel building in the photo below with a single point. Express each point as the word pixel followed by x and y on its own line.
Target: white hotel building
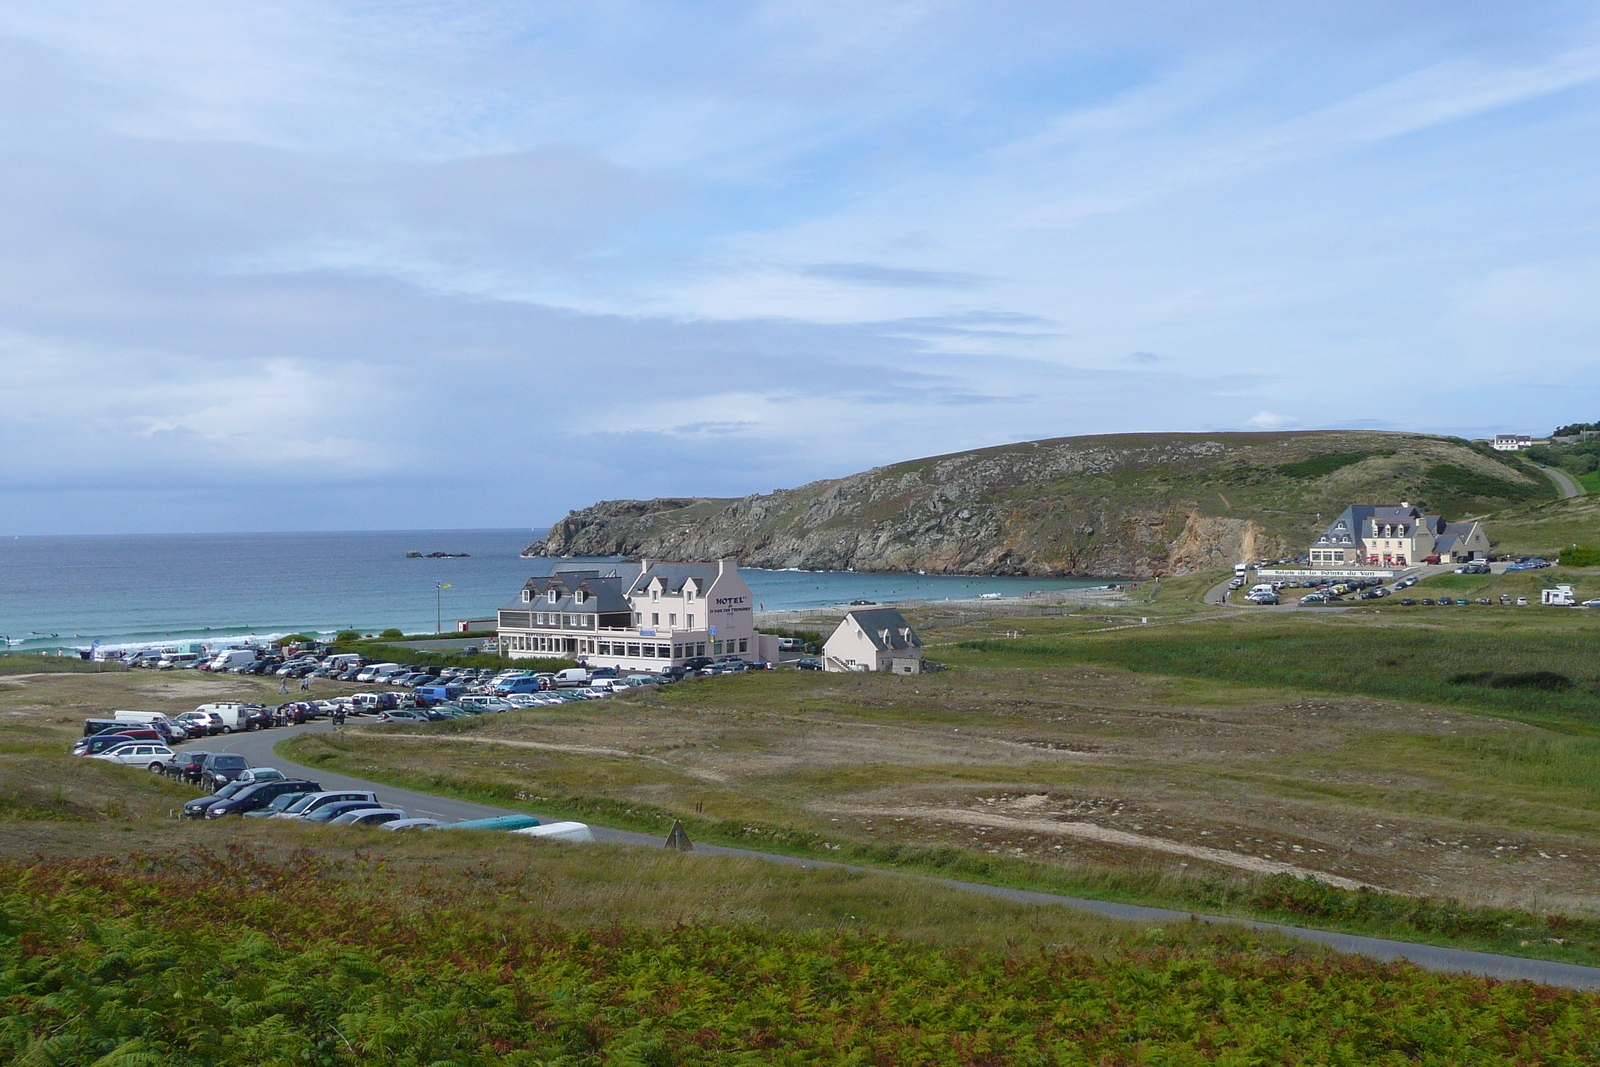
pixel 642 616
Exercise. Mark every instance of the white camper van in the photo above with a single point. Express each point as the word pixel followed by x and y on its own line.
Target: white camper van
pixel 1559 597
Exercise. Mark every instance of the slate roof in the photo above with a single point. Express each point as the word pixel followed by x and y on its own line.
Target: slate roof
pixel 887 629
pixel 602 593
pixel 672 576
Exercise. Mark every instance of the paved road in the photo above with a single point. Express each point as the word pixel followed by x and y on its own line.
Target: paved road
pixel 257 748
pixel 1569 486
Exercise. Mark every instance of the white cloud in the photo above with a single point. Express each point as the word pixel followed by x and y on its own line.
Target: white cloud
pixel 641 248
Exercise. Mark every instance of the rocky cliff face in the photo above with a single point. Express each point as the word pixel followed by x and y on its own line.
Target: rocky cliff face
pixel 1123 506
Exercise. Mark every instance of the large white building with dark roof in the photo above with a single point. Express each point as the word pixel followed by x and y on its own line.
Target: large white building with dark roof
pixel 1396 535
pixel 643 616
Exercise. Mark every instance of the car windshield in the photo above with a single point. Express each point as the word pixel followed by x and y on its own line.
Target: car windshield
pixel 227 762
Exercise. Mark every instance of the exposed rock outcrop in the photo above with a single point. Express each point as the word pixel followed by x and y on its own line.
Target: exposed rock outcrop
pixel 1136 505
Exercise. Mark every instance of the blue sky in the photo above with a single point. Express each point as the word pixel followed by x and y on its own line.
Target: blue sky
pixel 310 265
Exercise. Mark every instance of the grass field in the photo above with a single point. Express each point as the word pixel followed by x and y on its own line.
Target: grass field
pixel 132 937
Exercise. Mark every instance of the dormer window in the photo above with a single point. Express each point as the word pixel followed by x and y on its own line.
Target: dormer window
pixel 552 596
pixel 577 598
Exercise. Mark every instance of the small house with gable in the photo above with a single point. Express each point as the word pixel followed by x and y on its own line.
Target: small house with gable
pixel 875 640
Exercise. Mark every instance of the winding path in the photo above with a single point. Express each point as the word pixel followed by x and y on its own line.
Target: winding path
pixel 258 748
pixel 1566 483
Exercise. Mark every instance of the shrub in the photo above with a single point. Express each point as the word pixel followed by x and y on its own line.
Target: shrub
pixel 293 639
pixel 1318 466
pixel 1549 681
pixel 1580 557
pixel 391 634
pixel 346 636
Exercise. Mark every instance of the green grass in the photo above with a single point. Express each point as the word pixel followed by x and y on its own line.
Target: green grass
pixel 208 959
pixel 1276 898
pixel 1414 662
pixel 36 663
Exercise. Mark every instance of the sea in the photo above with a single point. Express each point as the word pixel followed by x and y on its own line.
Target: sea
pixel 154 590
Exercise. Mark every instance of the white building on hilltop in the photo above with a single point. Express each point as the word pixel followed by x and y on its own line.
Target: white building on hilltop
pixel 642 616
pixel 1512 442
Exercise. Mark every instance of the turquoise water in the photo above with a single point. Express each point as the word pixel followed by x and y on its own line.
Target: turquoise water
pixel 71 591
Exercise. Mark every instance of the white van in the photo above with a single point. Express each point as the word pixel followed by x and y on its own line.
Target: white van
pixel 178 661
pixel 232 657
pixel 1239 569
pixel 233 714
pixel 344 661
pixel 378 672
pixel 1263 588
pixel 571 677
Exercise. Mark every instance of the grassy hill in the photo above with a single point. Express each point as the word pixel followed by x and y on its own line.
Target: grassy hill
pixel 1120 505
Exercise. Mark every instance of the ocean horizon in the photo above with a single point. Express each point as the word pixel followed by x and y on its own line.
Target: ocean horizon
pixel 147 589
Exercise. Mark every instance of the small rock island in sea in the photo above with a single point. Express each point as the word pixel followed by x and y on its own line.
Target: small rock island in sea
pixel 438 555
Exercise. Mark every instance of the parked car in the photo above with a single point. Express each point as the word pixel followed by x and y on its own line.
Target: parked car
pixel 1408 602
pixel 196 809
pixel 402 716
pixel 314 801
pixel 137 754
pixel 98 743
pixel 259 795
pixel 411 824
pixel 220 768
pixel 1522 601
pixel 196 723
pixel 1426 601
pixel 329 812
pixel 808 665
pixel 186 765
pixel 1590 604
pixel 367 817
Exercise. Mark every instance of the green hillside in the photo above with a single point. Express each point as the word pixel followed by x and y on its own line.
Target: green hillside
pixel 1119 505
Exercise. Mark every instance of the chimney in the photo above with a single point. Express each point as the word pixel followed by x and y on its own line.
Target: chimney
pixel 722 566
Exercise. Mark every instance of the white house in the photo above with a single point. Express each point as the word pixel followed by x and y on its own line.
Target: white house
pixel 876 640
pixel 1512 442
pixel 643 616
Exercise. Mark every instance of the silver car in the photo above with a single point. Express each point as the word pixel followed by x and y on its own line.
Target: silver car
pixel 138 754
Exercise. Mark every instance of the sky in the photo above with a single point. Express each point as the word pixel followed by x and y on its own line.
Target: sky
pixel 451 264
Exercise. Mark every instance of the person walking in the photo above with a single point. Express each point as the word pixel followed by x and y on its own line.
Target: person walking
pixel 283 685
pixel 305 684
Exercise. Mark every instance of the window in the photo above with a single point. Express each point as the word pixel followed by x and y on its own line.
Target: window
pixel 744 644
pixel 655 618
pixel 663 651
pixel 716 648
pixel 691 621
pixel 655 594
pixel 605 648
pixel 700 648
pixel 552 596
pixel 577 598
pixel 633 649
pixel 688 593
pixel 527 595
pixel 672 618
pixel 648 651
